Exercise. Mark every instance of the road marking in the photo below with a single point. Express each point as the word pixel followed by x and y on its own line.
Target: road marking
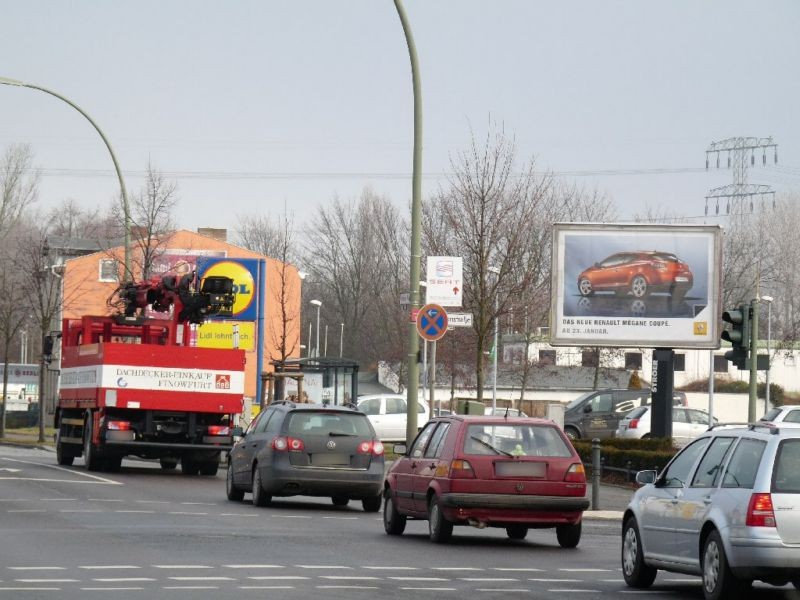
pixel 80 510
pixel 579 570
pixel 14 500
pixel 322 567
pixel 47 580
pixel 545 580
pixel 266 587
pixel 420 578
pixel 573 591
pixel 254 566
pixel 188 514
pixel 520 590
pixel 121 579
pixel 456 569
pixel 291 516
pixel 199 503
pixel 427 589
pixel 103 500
pixel 46 480
pixel 58 499
pixel 497 579
pixel 276 577
pixel 27 510
pixel 190 587
pixel 349 577
pixel 136 512
pixel 342 518
pixel 347 587
pixel 181 567
pixel 393 568
pixel 202 578
pixel 238 515
pixel 151 501
pixel 110 589
pixel 10 470
pixel 38 568
pixel 521 569
pixel 30 589
pixel 70 471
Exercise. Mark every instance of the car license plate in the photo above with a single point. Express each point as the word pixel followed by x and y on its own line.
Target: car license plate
pixel 520 469
pixel 681 279
pixel 330 460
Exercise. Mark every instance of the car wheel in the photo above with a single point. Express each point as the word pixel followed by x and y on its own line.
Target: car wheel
pixel 718 580
pixel 568 535
pixel 371 504
pixel 572 433
pixel 639 286
pixel 113 464
pixel 585 287
pixel 168 464
pixel 340 500
pixel 189 466
pixel 234 494
pixel 439 528
pixel 260 497
pixel 209 467
pixel 517 532
pixel 636 573
pixel 393 522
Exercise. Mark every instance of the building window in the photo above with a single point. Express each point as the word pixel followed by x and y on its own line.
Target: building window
pixel 633 360
pixel 720 364
pixel 109 269
pixel 589 358
pixel 680 362
pixel 547 357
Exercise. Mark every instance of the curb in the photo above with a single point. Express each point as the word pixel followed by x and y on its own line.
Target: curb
pixel 603 515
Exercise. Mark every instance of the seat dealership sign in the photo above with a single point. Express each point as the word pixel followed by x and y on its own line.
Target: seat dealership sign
pixel 636 285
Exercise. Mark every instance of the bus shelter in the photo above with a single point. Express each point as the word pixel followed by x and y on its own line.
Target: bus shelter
pixel 323 380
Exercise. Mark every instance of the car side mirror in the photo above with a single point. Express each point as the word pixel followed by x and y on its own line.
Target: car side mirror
pixel 645 477
pixel 587 408
pixel 237 432
pixel 400 449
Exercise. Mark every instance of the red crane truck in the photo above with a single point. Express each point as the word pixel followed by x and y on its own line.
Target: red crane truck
pixel 133 384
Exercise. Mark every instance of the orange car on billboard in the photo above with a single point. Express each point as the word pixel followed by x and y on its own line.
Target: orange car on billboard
pixel 639 273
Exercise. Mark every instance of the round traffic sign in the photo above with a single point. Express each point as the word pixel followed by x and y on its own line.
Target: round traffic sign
pixel 432 322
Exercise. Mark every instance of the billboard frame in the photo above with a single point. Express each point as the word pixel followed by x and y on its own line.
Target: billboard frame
pixel 690 322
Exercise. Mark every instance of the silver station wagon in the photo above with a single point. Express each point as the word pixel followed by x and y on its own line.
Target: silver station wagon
pixel 727 508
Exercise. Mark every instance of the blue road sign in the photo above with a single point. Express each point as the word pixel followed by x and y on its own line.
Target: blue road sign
pixel 432 322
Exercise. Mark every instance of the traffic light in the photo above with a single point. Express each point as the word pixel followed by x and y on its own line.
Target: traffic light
pixel 738 335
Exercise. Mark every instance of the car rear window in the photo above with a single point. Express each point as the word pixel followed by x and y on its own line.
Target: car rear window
pixel 786 476
pixel 637 412
pixel 771 414
pixel 515 439
pixel 328 423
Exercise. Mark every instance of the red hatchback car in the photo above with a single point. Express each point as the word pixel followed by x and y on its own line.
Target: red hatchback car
pixel 517 473
pixel 639 273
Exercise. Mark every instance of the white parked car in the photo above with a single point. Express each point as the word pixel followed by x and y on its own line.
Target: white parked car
pixel 388 415
pixel 787 415
pixel 687 424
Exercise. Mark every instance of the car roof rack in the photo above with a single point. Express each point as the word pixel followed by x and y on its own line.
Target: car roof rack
pixel 773 429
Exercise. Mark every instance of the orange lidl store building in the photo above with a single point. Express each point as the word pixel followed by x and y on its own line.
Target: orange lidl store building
pixel 89 281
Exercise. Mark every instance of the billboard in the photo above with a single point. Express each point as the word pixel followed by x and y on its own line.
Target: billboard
pixel 244 272
pixel 445 280
pixel 636 285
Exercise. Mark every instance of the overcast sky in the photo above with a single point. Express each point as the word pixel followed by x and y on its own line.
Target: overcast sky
pixel 253 105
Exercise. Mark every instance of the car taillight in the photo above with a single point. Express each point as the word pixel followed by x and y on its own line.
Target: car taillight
pixel 372 447
pixel 576 473
pixel 461 469
pixel 118 425
pixel 219 430
pixel 759 511
pixel 282 444
pixel 633 424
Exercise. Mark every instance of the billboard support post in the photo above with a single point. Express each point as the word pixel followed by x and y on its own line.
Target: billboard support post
pixel 663 384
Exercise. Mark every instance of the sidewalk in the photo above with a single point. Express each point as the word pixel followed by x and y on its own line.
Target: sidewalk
pixel 26 439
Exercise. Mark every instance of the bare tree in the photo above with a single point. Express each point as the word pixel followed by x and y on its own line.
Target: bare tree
pixel 264 235
pixel 284 332
pixel 19 185
pixel 70 220
pixel 152 219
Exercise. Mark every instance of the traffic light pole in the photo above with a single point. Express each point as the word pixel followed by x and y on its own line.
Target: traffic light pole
pixel 751 407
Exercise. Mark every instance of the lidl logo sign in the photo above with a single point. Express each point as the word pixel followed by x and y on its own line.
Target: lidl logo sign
pixel 244 272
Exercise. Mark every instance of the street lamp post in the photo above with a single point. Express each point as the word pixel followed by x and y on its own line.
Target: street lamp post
pixel 496 272
pixel 768 300
pixel 127 274
pixel 318 304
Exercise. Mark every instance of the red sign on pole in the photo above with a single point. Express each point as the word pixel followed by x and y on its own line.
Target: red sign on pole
pixel 432 322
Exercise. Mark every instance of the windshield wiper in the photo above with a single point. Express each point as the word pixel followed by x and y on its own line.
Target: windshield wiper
pixel 488 445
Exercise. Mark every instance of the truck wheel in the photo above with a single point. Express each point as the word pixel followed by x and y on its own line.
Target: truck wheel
pixel 209 467
pixel 168 463
pixel 572 433
pixel 113 463
pixel 189 466
pixel 90 454
pixel 64 456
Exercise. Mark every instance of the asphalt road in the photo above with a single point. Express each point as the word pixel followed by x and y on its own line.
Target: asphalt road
pixel 146 533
